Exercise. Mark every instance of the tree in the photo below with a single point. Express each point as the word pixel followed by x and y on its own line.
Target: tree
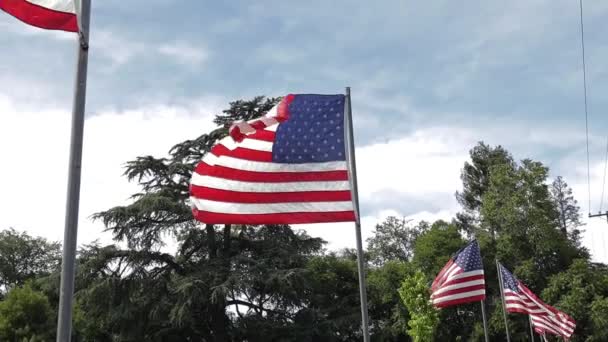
pixel 24 257
pixel 394 240
pixel 25 315
pixel 388 315
pixel 434 247
pixel 424 318
pixel 476 174
pixel 581 291
pixel 567 207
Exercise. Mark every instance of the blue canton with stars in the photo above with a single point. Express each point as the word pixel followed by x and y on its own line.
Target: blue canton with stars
pixel 508 280
pixel 314 131
pixel 469 258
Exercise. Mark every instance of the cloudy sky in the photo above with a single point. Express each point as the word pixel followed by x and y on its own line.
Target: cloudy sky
pixel 429 80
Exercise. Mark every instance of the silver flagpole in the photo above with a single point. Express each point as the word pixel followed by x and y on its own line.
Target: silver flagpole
pixel 355 194
pixel 485 323
pixel 531 328
pixel 502 297
pixel 64 323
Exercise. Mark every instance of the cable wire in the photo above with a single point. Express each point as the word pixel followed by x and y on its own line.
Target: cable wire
pixel 586 108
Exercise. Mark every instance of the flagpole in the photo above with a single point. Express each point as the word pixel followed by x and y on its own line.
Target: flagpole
pixel 64 321
pixel 485 323
pixel 502 296
pixel 355 194
pixel 531 328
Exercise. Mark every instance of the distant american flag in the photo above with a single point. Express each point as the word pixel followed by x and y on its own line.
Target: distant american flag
pixel 544 317
pixel 286 167
pixel 461 280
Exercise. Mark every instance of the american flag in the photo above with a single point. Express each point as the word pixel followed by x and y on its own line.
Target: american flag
pixel 287 167
pixel 461 280
pixel 544 317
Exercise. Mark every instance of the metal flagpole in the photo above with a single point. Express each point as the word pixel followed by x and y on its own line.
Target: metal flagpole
pixel 355 194
pixel 485 323
pixel 531 329
pixel 502 296
pixel 64 323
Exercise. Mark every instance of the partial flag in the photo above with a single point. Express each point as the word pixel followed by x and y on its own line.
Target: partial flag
pixel 287 167
pixel 545 318
pixel 461 280
pixel 46 14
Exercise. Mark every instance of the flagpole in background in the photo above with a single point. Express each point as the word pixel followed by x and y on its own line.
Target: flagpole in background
pixel 485 323
pixel 352 168
pixel 531 328
pixel 502 297
pixel 64 323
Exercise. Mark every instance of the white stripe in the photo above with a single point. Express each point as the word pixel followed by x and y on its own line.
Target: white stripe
pixel 252 144
pixel 455 269
pixel 547 328
pixel 467 274
pixel 547 322
pixel 272 128
pixel 447 272
pixel 56 5
pixel 269 121
pixel 458 286
pixel 274 111
pixel 459 296
pixel 270 208
pixel 519 306
pixel 247 165
pixel 234 185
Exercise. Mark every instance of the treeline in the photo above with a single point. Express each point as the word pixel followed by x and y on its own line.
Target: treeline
pixel 271 283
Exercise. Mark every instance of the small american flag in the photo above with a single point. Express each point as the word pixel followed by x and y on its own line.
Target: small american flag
pixel 544 317
pixel 461 280
pixel 287 167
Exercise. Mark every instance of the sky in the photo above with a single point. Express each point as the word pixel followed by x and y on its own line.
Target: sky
pixel 428 80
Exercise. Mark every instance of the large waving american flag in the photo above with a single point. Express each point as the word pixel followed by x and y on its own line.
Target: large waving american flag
pixel 461 280
pixel 287 167
pixel 544 317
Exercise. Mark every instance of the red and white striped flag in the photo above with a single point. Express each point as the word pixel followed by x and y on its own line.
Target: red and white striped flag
pixel 46 14
pixel 287 167
pixel 461 280
pixel 545 318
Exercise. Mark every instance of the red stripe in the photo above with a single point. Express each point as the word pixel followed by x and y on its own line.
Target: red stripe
pixel 458 291
pixel 268 197
pixel 39 16
pixel 262 134
pixel 460 301
pixel 281 218
pixel 269 177
pixel 242 153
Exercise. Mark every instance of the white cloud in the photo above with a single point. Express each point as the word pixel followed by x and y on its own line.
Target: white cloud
pixel 184 52
pixel 35 153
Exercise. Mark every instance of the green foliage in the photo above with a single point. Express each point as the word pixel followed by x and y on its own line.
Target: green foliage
pixel 581 291
pixel 414 293
pixel 394 240
pixel 387 313
pixel 23 257
pixel 25 315
pixel 435 247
